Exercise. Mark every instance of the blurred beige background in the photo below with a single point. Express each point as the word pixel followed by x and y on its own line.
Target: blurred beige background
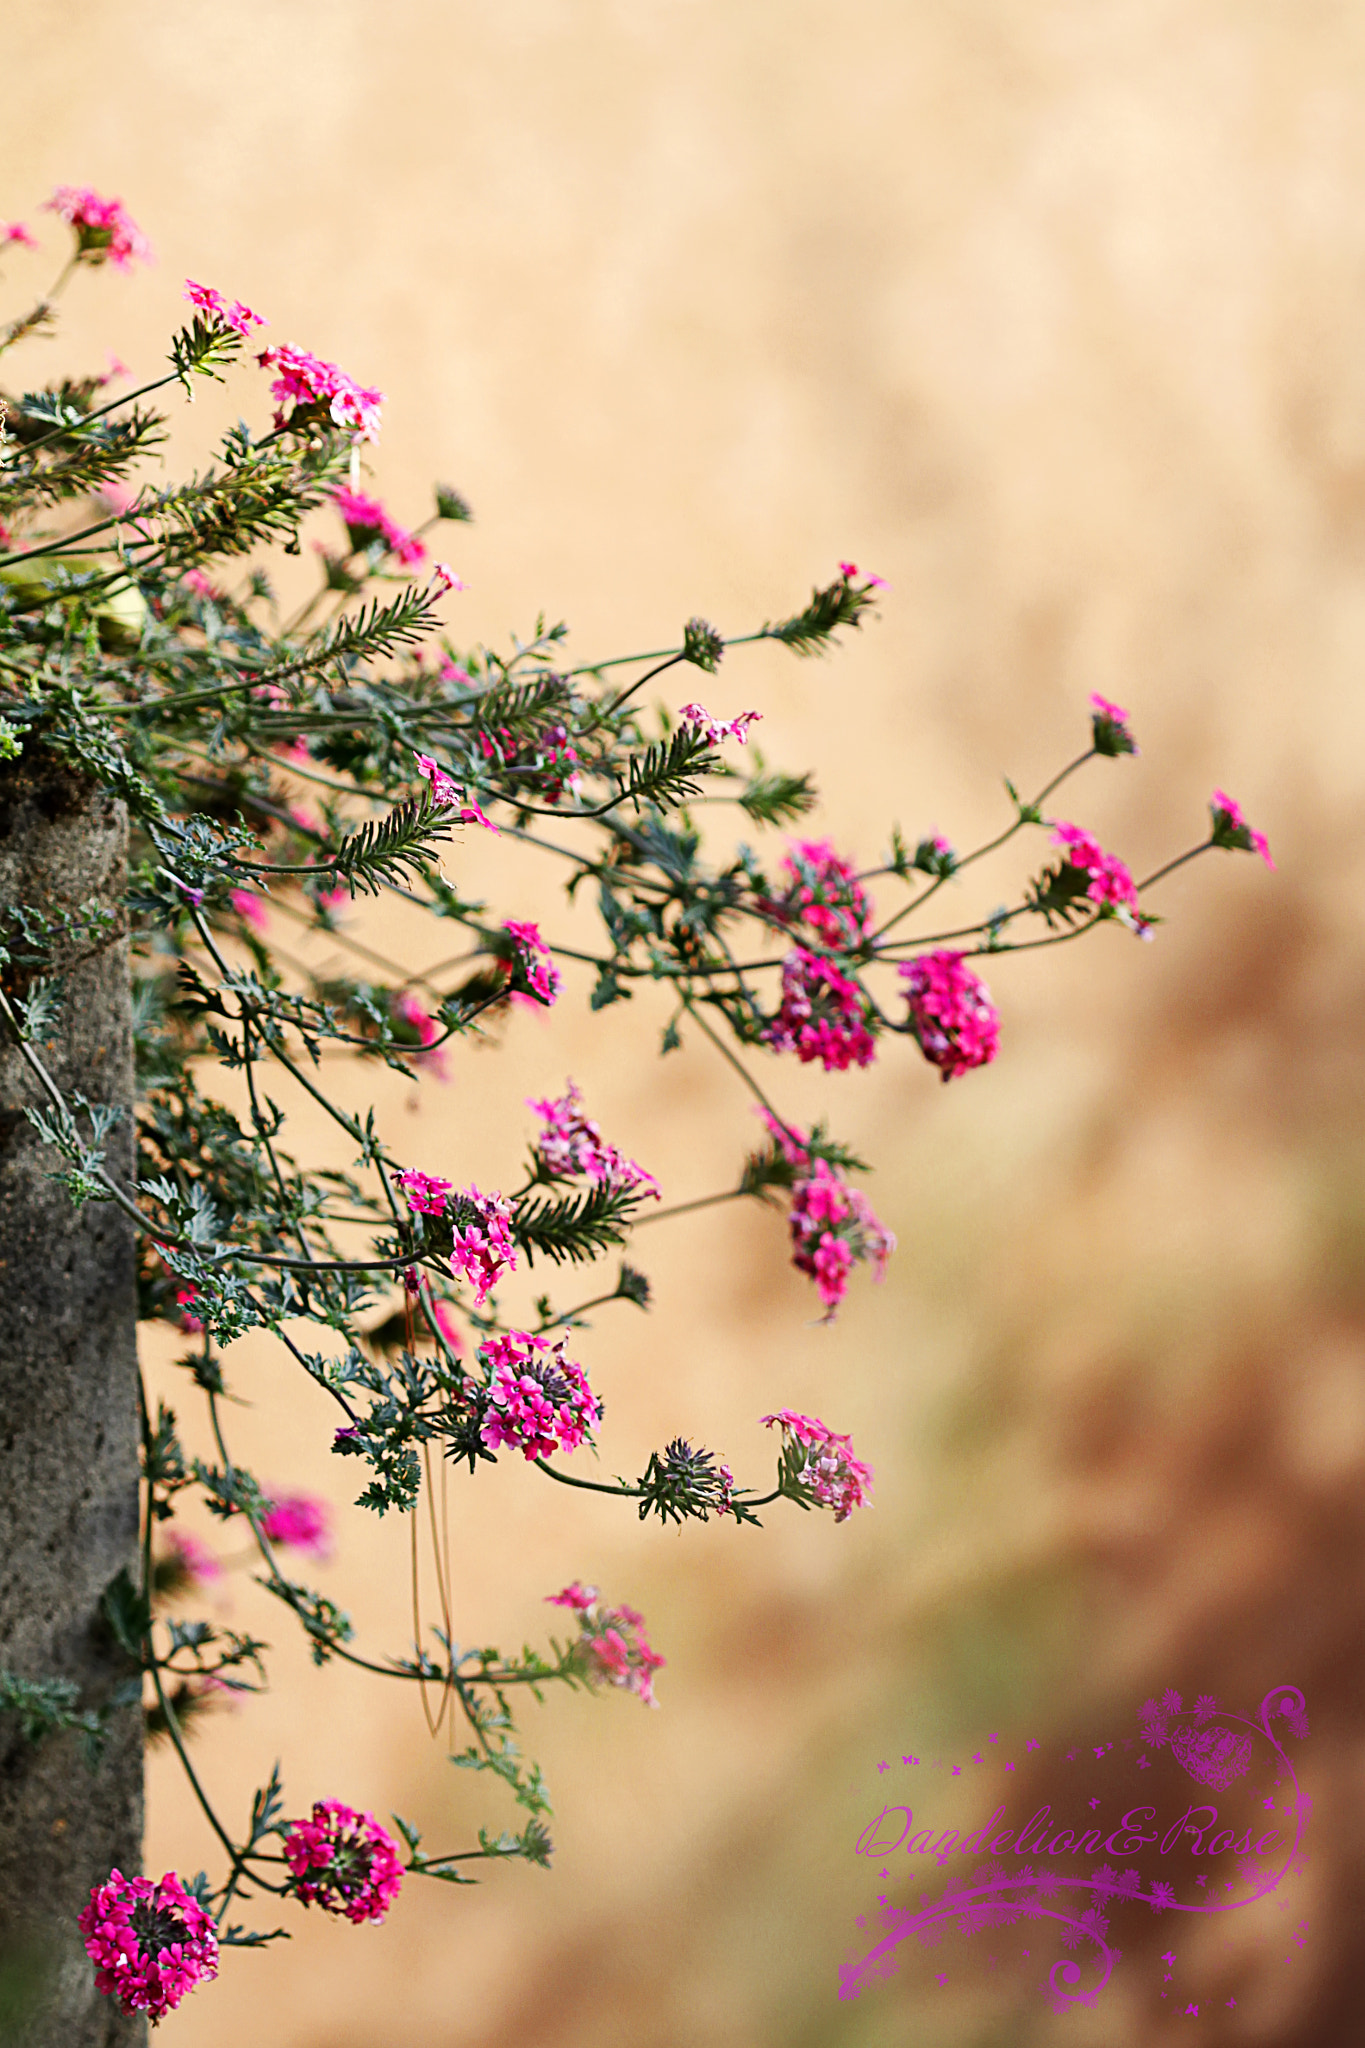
pixel 1053 314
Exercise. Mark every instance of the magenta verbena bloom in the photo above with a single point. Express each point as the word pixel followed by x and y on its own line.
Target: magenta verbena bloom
pixel 850 572
pixel 1109 727
pixel 537 1400
pixel 13 232
pixel 320 392
pixel 366 522
pixel 823 1015
pixel 1231 829
pixel 482 1249
pixel 718 729
pixel 105 231
pixel 1111 885
pixel 151 1943
pixel 426 1194
pixel 533 967
pixel 413 1016
pixel 824 893
pixel 818 1466
pixel 228 313
pixel 448 795
pixel 951 1013
pixel 569 1143
pixel 612 1646
pixel 834 1229
pixel 344 1862
pixel 185 1564
pixel 250 907
pixel 302 1520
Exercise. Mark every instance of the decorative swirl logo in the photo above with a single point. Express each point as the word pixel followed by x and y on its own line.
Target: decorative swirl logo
pixel 1226 1753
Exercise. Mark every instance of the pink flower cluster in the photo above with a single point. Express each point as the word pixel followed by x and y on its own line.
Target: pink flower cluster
pixel 483 1247
pixel 833 1226
pixel 612 1644
pixel 822 1015
pixel 229 314
pixel 320 391
pixel 104 228
pixel 537 1401
pixel 367 521
pixel 413 1015
pixel 718 729
pixel 951 1013
pixel 570 1143
pixel 1110 881
pixel 823 892
pixel 300 1519
pixel 150 1943
pixel 1230 828
pixel 534 960
pixel 817 1461
pixel 446 794
pixel 1110 727
pixel 344 1862
pixel 186 1563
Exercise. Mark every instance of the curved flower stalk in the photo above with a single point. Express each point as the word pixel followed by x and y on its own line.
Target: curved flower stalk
pixel 271 773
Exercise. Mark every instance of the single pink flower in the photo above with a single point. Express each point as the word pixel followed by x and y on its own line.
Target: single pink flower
pixel 537 1400
pixel 1231 829
pixel 818 1465
pixel 445 578
pixel 444 1318
pixel 718 729
pixel 415 1017
pixel 150 1943
pixel 822 1015
pixel 232 314
pixel 250 907
pixel 186 1563
pixel 951 1013
pixel 104 229
pixel 367 522
pixel 185 1299
pixel 343 1861
pixel 14 231
pixel 532 963
pixel 300 1520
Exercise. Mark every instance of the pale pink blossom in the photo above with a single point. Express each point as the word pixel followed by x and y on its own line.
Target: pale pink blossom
pixel 612 1646
pixel 444 577
pixel 199 583
pixel 951 1012
pixel 537 1400
pixel 1230 828
pixel 151 1943
pixel 822 1016
pixel 570 1143
pixel 344 1862
pixel 249 906
pixel 718 729
pixel 228 313
pixel 320 392
pixel 104 229
pixel 818 1464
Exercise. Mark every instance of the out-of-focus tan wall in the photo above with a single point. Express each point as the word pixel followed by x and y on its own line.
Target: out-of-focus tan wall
pixel 1054 314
